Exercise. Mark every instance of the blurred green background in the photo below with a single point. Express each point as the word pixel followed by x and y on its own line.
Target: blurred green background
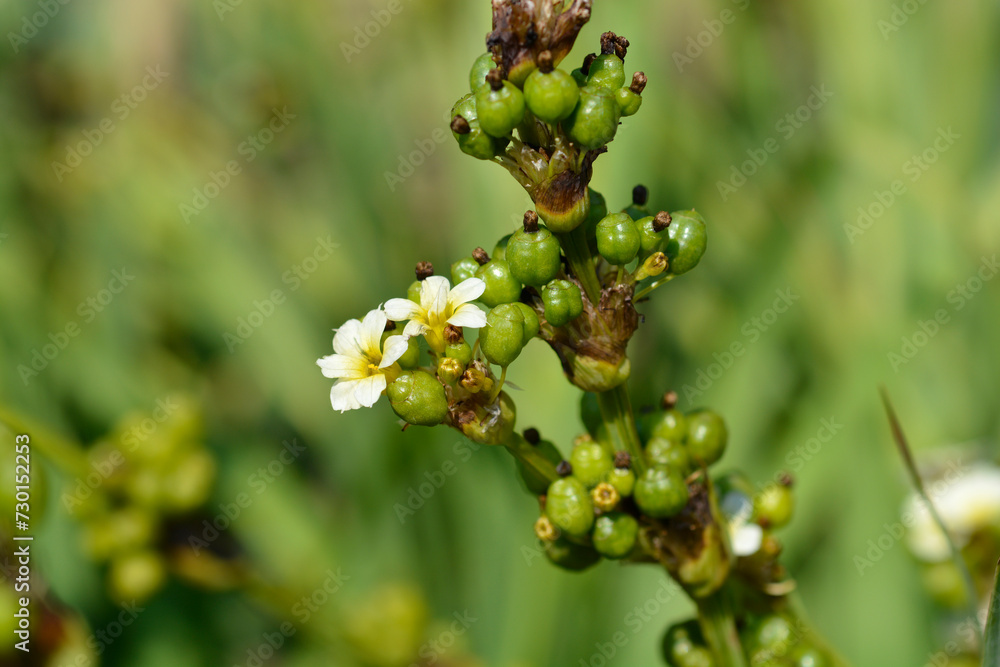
pixel 102 171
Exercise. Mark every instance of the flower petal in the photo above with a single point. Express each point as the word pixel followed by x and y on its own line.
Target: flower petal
pixel 399 310
pixel 747 539
pixel 434 295
pixel 414 328
pixel 345 340
pixel 466 291
pixel 468 315
pixel 367 391
pixel 343 366
pixel 394 348
pixel 372 328
pixel 342 396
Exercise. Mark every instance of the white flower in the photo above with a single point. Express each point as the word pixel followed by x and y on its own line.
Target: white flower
pixel 362 366
pixel 440 305
pixel 744 536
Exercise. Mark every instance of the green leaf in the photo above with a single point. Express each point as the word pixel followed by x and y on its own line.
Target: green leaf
pixel 991 647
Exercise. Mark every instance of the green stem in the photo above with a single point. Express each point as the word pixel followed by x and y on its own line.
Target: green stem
pixel 645 291
pixel 574 244
pixel 616 408
pixel 62 452
pixel 529 455
pixel 719 629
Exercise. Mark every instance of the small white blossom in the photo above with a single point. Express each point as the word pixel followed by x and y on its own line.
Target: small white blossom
pixel 361 365
pixel 440 305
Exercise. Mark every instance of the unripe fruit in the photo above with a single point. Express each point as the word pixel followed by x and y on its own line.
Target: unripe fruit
pixel 500 249
pixel 536 483
pixel 614 534
pixel 413 291
pixel 669 453
pixel 707 437
pixel 591 462
pixel 469 134
pixel 661 492
pixel 628 101
pixel 669 424
pixel 607 71
pixel 594 122
pixel 410 358
pixel 188 482
pixel 461 351
pixel 563 302
pixel 623 479
pixel 771 634
pixel 773 507
pixel 598 211
pixel 463 269
pixel 480 68
pixel 501 286
pixel 136 576
pixel 418 398
pixel 571 556
pixel 568 505
pixel 531 323
pixel 806 655
pixel 653 233
pixel 533 256
pixel 504 335
pixel 617 239
pixel 551 96
pixel 500 110
pixel 687 241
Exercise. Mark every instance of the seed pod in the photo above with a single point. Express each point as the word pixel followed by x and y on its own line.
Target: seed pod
pixel 628 101
pixel 480 68
pixel 551 96
pixel 653 235
pixel 707 437
pixel 607 71
pixel 136 576
pixel 531 323
pixel 623 479
pixel 463 269
pixel 500 249
pixel 771 635
pixel 449 370
pixel 568 505
pixel 687 241
pixel 461 351
pixel 591 462
pixel 773 506
pixel 669 453
pixel 499 106
pixel 598 211
pixel 669 424
pixel 418 398
pixel 414 290
pixel 471 138
pixel 563 302
pixel 661 492
pixel 594 122
pixel 188 482
pixel 684 646
pixel 533 253
pixel 615 534
pixel 501 286
pixel 504 335
pixel 617 239
pixel 571 556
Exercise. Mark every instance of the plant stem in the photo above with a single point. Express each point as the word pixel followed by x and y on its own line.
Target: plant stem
pixel 527 454
pixel 62 452
pixel 645 291
pixel 574 244
pixel 719 629
pixel 616 408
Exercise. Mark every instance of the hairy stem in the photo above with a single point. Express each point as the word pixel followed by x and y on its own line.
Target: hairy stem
pixel 719 629
pixel 616 408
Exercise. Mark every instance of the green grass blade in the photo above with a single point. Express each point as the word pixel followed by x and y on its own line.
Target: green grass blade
pixel 991 646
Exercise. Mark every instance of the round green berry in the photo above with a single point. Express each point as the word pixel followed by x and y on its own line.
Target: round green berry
pixel 607 71
pixel 598 211
pixel 707 436
pixel 537 483
pixel 463 269
pixel 614 534
pixel 551 96
pixel 505 334
pixel 684 646
pixel 617 239
pixel 414 290
pixel 531 323
pixel 623 479
pixel 418 398
pixel 628 101
pixel 563 302
pixel 501 286
pixel 568 505
pixel 773 506
pixel 687 241
pixel 500 110
pixel 669 453
pixel 806 655
pixel 661 492
pixel 570 555
pixel 591 462
pixel 471 138
pixel 480 68
pixel 669 424
pixel 653 235
pixel 500 249
pixel 594 122
pixel 533 256
pixel 461 351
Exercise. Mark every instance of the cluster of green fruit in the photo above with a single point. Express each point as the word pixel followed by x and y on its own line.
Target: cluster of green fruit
pixel 151 470
pixel 596 507
pixel 770 640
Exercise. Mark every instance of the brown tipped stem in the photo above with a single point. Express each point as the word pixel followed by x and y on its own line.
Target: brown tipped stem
pixel 453 335
pixel 639 81
pixel 460 126
pixel 532 436
pixel 669 400
pixel 661 221
pixel 640 195
pixel 564 469
pixel 480 256
pixel 544 62
pixel 495 78
pixel 530 223
pixel 424 270
pixel 588 60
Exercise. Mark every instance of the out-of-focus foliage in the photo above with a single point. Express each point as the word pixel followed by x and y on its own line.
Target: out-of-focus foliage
pixel 257 173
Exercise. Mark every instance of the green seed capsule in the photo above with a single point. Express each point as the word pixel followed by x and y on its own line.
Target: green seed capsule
pixel 563 302
pixel 475 142
pixel 533 257
pixel 568 505
pixel 684 646
pixel 579 77
pixel 607 71
pixel 136 576
pixel 669 424
pixel 501 286
pixel 623 479
pixel 480 68
pixel 536 483
pixel 772 636
pixel 504 335
pixel 669 453
pixel 806 655
pixel 615 534
pixel 661 492
pixel 687 241
pixel 552 96
pixel 500 249
pixel 463 269
pixel 531 323
pixel 571 556
pixel 628 101
pixel 418 398
pixel 410 358
pixel 461 351
pixel 594 122
pixel 617 239
pixel 598 211
pixel 652 237
pixel 414 290
pixel 773 506
pixel 500 110
pixel 707 437
pixel 591 462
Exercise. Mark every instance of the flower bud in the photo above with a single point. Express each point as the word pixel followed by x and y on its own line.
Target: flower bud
pixel 418 398
pixel 618 239
pixel 563 302
pixel 687 241
pixel 449 369
pixel 568 505
pixel 661 492
pixel 653 266
pixel 615 534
